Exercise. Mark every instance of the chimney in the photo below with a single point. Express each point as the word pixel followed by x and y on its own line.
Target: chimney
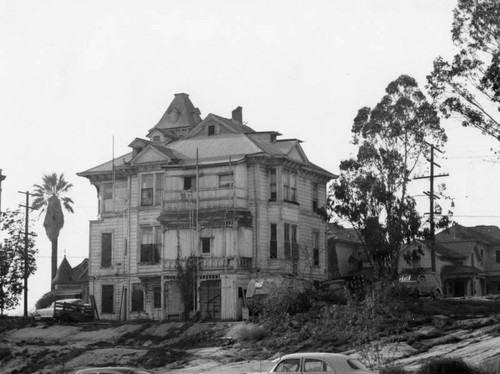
pixel 237 114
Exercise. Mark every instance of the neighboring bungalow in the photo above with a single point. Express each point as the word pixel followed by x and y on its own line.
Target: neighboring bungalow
pixel 243 203
pixel 69 283
pixel 345 252
pixel 467 260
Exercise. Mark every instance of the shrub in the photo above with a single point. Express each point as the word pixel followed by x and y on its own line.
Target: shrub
pixel 447 366
pixel 392 369
pixel 249 333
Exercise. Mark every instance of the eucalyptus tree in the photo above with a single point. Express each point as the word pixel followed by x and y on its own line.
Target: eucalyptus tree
pixel 468 85
pixel 13 253
pixel 50 197
pixel 371 193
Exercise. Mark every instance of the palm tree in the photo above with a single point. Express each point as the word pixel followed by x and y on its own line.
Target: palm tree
pixel 48 197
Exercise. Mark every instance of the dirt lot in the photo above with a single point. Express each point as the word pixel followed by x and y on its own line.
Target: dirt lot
pixel 466 328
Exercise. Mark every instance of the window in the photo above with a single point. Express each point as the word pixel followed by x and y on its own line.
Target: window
pixel 272 185
pixel 137 297
pixel 288 366
pixel 157 297
pixel 289 185
pixel 290 240
pixel 156 138
pixel 189 183
pixel 273 242
pixel 315 197
pixel 316 366
pixel 107 298
pixel 498 257
pixel 315 245
pixel 205 245
pixel 107 197
pixel 150 245
pixel 106 249
pixel 226 180
pixel 151 189
pixel 211 130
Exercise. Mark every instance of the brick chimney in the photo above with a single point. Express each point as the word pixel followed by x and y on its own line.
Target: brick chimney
pixel 237 114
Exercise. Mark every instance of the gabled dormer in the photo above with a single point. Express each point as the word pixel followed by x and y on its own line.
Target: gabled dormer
pixel 162 136
pixel 217 125
pixel 154 153
pixel 138 145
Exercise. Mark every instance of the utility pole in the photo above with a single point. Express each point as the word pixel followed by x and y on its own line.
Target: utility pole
pixel 432 196
pixel 26 245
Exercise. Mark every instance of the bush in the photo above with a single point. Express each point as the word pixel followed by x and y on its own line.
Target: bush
pixel 391 369
pixel 447 366
pixel 249 333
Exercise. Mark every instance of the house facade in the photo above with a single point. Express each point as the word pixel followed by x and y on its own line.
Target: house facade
pixel 467 259
pixel 239 203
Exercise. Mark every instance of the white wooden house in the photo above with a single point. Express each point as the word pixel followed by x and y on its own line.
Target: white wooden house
pixel 243 203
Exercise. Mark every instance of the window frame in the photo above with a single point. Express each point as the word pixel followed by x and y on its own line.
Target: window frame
pixel 273 185
pixel 106 259
pixel 290 243
pixel 137 290
pixel 192 183
pixel 273 241
pixel 289 185
pixel 152 194
pixel 155 247
pixel 203 241
pixel 315 196
pixel 315 249
pixel 226 183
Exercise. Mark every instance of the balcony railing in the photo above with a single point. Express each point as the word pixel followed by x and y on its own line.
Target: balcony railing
pixel 221 197
pixel 216 263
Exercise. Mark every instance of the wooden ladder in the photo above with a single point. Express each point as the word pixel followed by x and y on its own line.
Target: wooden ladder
pixel 94 306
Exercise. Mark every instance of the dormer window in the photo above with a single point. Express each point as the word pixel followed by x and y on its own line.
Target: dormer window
pixel 211 130
pixel 157 138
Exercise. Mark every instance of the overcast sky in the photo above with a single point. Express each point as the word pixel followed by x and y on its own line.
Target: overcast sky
pixel 75 74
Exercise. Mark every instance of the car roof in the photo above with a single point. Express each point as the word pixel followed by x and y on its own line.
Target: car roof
pixel 118 369
pixel 324 355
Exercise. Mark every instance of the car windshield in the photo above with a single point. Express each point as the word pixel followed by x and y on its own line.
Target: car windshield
pixel 355 364
pixel 408 277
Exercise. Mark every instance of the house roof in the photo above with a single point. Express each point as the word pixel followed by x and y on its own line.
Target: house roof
pixel 67 275
pixel 119 162
pixel 459 270
pixel 180 113
pixel 213 147
pixel 335 231
pixel 483 234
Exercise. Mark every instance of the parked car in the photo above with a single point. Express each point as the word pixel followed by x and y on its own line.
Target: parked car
pixel 113 370
pixel 310 362
pixel 421 284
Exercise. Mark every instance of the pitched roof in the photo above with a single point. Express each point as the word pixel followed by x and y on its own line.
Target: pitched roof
pixel 66 274
pixel 335 231
pixel 213 148
pixel 119 162
pixel 180 113
pixel 230 125
pixel 483 234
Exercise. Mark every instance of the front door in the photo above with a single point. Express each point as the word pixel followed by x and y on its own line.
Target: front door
pixel 210 300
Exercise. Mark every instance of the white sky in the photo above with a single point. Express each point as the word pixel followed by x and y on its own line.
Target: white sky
pixel 73 74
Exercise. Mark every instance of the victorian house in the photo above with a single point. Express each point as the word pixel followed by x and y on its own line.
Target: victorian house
pixel 242 203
